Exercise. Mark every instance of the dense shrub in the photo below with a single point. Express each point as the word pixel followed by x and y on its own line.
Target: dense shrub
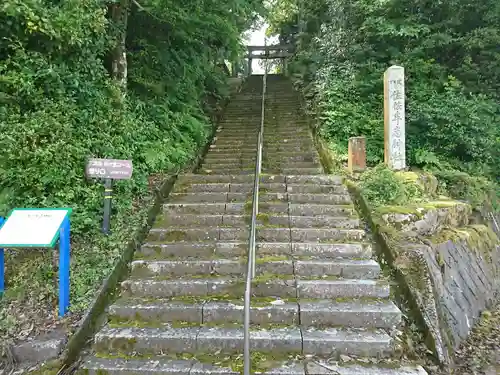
pixel 59 104
pixel 450 53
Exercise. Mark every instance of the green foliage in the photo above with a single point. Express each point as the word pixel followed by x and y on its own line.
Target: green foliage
pixel 381 186
pixel 476 190
pixel 450 53
pixel 59 106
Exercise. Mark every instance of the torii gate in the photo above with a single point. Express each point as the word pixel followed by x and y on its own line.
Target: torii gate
pixel 278 51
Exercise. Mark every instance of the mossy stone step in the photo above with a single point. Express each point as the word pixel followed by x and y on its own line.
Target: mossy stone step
pixel 199 178
pixel 342 288
pixel 231 171
pixel 200 312
pixel 201 220
pixel 315 180
pixel 270 220
pixel 367 343
pixel 353 313
pixel 203 234
pixel 221 249
pixel 195 340
pixel 198 197
pixel 349 269
pixel 277 163
pixel 326 368
pixel 222 267
pixel 316 189
pixel 325 235
pixel 190 250
pixel 310 209
pixel 195 287
pixel 164 365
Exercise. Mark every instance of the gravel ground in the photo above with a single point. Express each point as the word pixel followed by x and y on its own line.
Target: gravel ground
pixel 480 354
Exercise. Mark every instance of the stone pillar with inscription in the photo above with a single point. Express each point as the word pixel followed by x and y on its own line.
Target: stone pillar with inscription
pixel 356 161
pixel 394 118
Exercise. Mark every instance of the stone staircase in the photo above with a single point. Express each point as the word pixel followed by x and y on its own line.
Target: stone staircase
pixel 320 304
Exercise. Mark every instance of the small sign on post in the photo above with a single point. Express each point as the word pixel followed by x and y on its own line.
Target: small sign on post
pixel 394 118
pixel 356 161
pixel 40 228
pixel 109 170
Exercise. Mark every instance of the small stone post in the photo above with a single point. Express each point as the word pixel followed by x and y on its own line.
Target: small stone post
pixel 394 118
pixel 356 161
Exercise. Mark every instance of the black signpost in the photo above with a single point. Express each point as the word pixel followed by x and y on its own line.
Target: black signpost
pixel 108 170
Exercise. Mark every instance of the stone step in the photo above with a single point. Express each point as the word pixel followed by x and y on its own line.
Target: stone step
pixel 291 169
pixel 276 135
pixel 316 189
pixel 215 150
pixel 187 219
pixel 195 208
pixel 279 164
pixel 194 287
pixel 214 187
pixel 314 222
pixel 315 180
pixel 142 366
pixel 323 313
pixel 350 269
pixel 222 171
pixel 199 197
pixel 190 234
pixel 309 209
pixel 264 187
pixel 328 342
pixel 214 166
pixel 196 250
pixel 353 314
pixel 200 250
pixel 284 286
pixel 217 208
pixel 342 288
pixel 202 312
pixel 201 220
pixel 163 366
pixel 322 235
pixel 277 139
pixel 200 178
pixel 237 148
pixel 331 251
pixel 328 368
pixel 289 148
pixel 320 198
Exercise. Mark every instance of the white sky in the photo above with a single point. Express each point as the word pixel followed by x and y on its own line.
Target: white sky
pixel 257 38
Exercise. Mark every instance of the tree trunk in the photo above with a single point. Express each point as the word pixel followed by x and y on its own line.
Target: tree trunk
pixel 119 17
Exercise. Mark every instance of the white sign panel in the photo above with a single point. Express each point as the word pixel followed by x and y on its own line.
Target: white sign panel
pixel 32 227
pixel 394 107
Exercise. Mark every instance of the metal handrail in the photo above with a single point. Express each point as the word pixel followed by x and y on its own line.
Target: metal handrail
pixel 252 241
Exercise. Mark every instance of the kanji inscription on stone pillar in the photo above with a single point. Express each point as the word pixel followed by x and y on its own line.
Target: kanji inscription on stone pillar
pixel 356 160
pixel 394 118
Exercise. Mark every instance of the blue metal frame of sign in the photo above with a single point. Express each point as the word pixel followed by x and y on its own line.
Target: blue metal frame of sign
pixel 63 234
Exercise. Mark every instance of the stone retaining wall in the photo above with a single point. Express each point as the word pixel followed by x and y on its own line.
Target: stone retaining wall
pixel 452 268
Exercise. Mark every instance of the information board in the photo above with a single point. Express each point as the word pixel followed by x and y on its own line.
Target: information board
pixel 32 227
pixel 109 168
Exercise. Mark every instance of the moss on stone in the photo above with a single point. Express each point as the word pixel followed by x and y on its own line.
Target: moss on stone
pixel 478 238
pixel 265 277
pixel 270 258
pixel 175 235
pixel 406 210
